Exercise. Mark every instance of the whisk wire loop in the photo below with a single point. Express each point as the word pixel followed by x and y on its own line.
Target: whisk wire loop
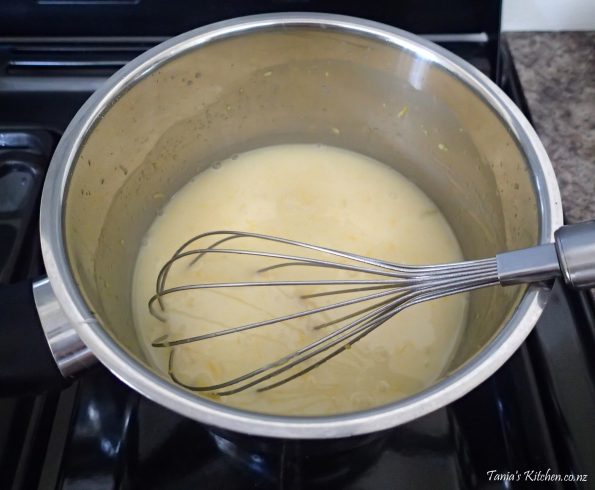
pixel 393 288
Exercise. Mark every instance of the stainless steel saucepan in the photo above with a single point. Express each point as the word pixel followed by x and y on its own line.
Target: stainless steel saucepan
pixel 261 80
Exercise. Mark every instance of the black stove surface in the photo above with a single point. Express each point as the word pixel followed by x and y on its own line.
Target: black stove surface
pixel 536 414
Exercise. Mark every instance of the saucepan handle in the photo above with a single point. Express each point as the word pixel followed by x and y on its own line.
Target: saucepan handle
pixel 26 361
pixel 39 350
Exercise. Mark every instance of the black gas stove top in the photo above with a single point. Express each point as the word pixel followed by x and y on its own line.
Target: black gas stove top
pixel 531 421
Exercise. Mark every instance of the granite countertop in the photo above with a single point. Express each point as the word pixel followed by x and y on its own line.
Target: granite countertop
pixel 557 71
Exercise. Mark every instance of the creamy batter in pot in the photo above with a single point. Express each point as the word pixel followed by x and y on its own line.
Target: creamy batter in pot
pixel 314 193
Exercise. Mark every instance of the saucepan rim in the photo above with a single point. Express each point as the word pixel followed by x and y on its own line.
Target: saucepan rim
pixel 150 384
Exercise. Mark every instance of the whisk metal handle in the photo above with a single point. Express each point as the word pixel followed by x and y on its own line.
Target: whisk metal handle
pixel 575 245
pixel 572 256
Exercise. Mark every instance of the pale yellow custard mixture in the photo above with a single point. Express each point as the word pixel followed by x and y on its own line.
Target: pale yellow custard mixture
pixel 313 193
